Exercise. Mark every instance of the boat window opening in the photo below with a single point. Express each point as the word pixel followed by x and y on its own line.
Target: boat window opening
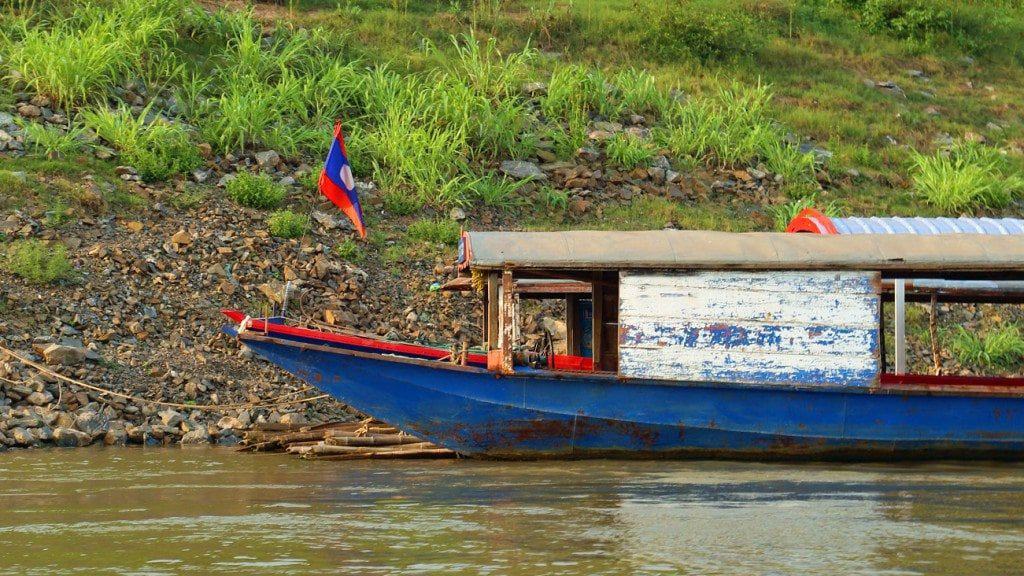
pixel 950 340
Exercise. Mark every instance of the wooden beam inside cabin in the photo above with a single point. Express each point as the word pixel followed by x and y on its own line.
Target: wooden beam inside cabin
pixel 493 307
pixel 598 320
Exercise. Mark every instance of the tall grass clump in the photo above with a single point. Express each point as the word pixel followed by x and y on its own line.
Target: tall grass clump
pixel 732 127
pixel 37 262
pixel 998 349
pixel 255 191
pixel 157 149
pixel 81 57
pixel 628 151
pixel 965 177
pixel 52 141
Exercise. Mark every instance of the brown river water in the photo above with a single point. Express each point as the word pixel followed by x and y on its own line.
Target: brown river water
pixel 202 511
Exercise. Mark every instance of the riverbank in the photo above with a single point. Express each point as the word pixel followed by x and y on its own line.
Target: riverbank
pixel 178 177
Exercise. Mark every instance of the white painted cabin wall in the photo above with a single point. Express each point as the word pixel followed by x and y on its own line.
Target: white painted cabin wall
pixel 808 328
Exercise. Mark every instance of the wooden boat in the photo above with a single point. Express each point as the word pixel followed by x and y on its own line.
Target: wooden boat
pixel 688 344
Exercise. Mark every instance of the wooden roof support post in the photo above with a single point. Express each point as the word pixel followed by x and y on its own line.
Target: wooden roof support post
pixel 507 322
pixel 900 319
pixel 598 322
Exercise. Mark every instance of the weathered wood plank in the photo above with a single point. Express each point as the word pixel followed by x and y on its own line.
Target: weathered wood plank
pixel 855 310
pixel 748 367
pixel 818 282
pixel 747 337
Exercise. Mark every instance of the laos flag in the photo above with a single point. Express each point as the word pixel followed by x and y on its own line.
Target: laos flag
pixel 337 183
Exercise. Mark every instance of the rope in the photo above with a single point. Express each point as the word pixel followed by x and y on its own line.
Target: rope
pixel 206 407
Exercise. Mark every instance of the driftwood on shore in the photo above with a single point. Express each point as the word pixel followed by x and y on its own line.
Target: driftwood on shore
pixel 367 439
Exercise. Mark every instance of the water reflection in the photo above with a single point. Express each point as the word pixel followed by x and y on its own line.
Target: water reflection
pixel 133 511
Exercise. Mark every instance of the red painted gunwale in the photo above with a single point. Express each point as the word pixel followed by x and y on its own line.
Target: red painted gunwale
pixel 560 362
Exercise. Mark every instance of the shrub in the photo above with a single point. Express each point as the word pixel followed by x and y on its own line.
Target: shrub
pixel 628 151
pixel 965 177
pixel 255 191
pixel 919 21
pixel 1002 348
pixel 702 29
pixel 38 263
pixel 437 231
pixel 287 224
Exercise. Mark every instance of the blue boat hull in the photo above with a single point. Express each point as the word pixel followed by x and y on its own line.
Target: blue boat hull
pixel 538 414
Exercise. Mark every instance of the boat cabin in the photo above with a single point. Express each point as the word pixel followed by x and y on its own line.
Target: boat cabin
pixel 757 308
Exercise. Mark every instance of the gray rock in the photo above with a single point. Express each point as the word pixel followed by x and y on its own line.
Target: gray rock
pixel 457 214
pixel 225 179
pixel 39 398
pixel 170 418
pixel 59 354
pixel 91 423
pixel 200 175
pixel 522 170
pixel 293 418
pixel 228 440
pixel 30 111
pixel 70 438
pixel 196 437
pixel 268 158
pixel 535 88
pixel 116 437
pixel 892 87
pixel 230 422
pixel 821 155
pixel 21 436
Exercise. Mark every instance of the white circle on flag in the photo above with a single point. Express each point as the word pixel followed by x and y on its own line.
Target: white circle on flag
pixel 346 177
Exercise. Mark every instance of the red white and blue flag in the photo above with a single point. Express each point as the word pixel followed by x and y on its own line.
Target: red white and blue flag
pixel 338 184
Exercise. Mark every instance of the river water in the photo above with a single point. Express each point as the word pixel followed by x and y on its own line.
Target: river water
pixel 200 511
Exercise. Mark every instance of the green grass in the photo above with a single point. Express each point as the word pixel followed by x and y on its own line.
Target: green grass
pixel 37 262
pixel 966 178
pixel 255 191
pixel 350 251
pixel 53 142
pixel 430 92
pixel 628 151
pixel 783 214
pixel 1001 349
pixel 156 149
pixel 80 57
pixel 436 231
pixel 287 224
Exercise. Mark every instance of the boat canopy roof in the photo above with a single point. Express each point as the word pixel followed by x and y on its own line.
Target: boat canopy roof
pixel 706 250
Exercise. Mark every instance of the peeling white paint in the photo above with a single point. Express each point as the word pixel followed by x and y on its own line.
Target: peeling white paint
pixel 754 327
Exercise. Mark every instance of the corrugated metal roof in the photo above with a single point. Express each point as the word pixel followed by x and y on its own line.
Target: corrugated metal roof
pixel 813 221
pixel 682 249
pixel 897 225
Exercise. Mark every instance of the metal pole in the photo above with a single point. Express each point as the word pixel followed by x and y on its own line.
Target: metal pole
pixel 899 318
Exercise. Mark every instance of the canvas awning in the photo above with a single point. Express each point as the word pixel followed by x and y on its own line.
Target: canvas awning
pixel 705 250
